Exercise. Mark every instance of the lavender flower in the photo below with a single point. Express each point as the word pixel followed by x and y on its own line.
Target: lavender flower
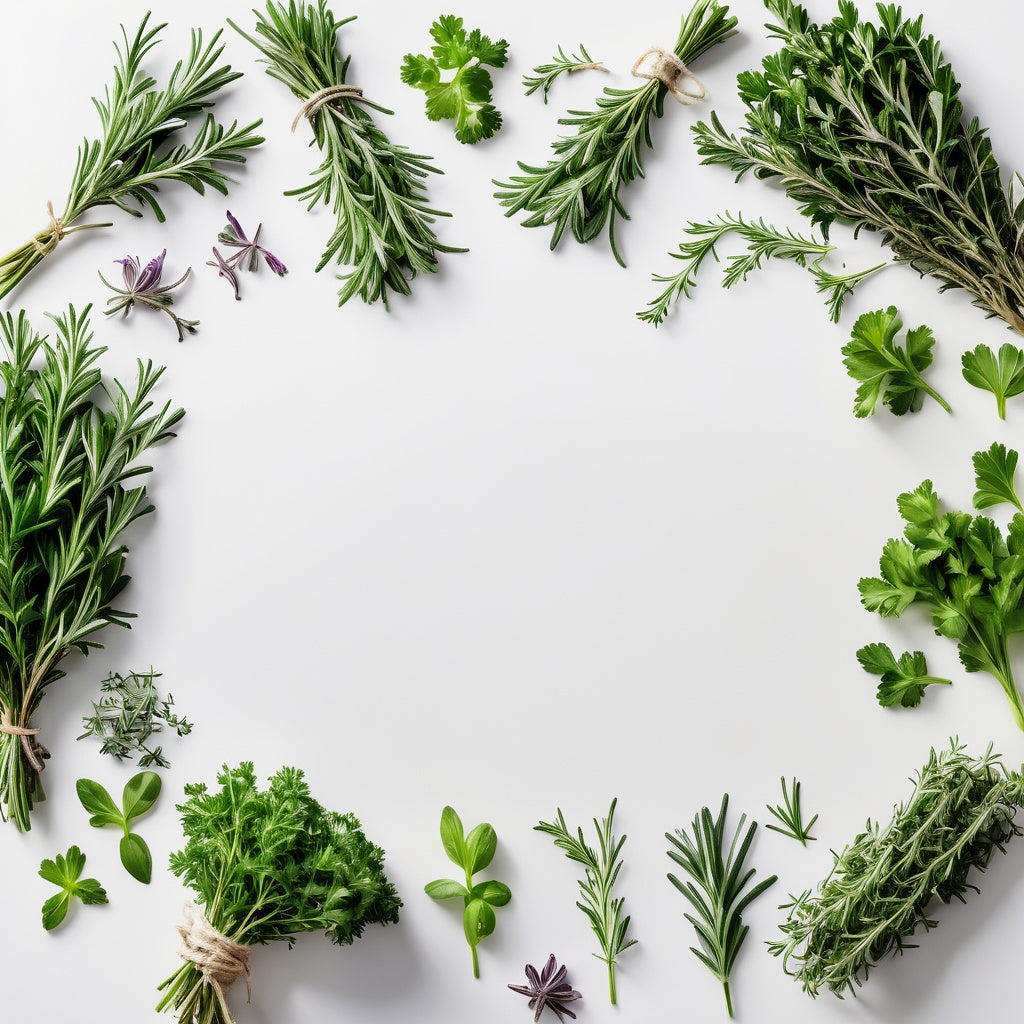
pixel 549 988
pixel 144 286
pixel 225 270
pixel 247 256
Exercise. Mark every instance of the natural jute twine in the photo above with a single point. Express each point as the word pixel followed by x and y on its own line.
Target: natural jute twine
pixel 220 960
pixel 58 229
pixel 34 751
pixel 322 98
pixel 665 67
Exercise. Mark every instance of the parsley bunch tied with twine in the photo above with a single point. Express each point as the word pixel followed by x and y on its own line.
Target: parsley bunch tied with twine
pixel 136 154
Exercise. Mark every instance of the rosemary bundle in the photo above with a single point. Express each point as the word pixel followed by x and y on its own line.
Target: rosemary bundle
pixel 877 895
pixel 862 122
pixel 139 149
pixel 579 187
pixel 65 498
pixel 374 187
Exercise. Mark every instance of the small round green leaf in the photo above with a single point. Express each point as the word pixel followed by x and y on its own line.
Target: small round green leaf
pixel 478 921
pixel 497 894
pixel 136 858
pixel 445 889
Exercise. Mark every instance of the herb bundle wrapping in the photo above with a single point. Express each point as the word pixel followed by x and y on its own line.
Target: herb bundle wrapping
pixel 265 866
pixel 374 187
pixel 861 122
pixel 64 503
pixel 127 164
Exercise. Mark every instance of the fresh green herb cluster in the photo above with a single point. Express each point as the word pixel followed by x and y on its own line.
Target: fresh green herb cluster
pixel 65 871
pixel 714 889
pixel 994 472
pixel 968 575
pixel 466 97
pixel 601 867
pixel 579 186
pixel 790 816
pixel 862 122
pixel 69 469
pixel 140 793
pixel 266 866
pixel 472 853
pixel 139 149
pixel 903 679
pixel 888 371
pixel 130 714
pixel 1002 374
pixel 876 897
pixel 375 188
pixel 545 75
pixel 764 242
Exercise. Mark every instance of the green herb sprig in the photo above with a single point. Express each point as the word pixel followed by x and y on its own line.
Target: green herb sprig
pixel 601 867
pixel 764 242
pixel 1002 374
pixel 139 149
pixel 715 888
pixel 579 187
pixel 903 680
pixel 65 871
pixel 69 467
pixel 140 793
pixel 545 75
pixel 472 853
pixel 790 816
pixel 267 866
pixel 374 187
pixel 861 122
pixel 993 477
pixel 877 895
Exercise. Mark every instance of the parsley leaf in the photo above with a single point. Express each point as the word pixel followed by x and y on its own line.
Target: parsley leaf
pixel 1003 375
pixel 65 872
pixel 903 680
pixel 888 371
pixel 994 471
pixel 466 98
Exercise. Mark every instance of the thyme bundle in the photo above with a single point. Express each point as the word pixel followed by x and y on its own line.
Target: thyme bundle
pixel 136 152
pixel 66 464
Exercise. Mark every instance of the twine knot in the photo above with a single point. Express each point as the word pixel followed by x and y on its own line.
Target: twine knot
pixel 35 753
pixel 220 960
pixel 52 235
pixel 663 66
pixel 331 94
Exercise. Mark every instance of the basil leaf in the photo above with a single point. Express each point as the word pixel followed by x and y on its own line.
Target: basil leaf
pixel 453 836
pixel 497 894
pixel 480 846
pixel 98 802
pixel 136 858
pixel 445 889
pixel 478 921
pixel 140 793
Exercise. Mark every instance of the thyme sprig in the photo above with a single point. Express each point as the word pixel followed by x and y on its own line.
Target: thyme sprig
pixel 374 187
pixel 861 121
pixel 875 898
pixel 579 186
pixel 67 465
pixel 139 149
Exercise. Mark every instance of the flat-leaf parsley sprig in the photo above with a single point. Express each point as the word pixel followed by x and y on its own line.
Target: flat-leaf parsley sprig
pixel 579 186
pixel 139 149
pixel 374 187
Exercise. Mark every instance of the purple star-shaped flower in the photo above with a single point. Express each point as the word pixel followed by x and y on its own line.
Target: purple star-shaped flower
pixel 142 284
pixel 246 256
pixel 548 988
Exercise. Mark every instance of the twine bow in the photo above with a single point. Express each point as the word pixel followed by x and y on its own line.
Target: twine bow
pixel 53 234
pixel 665 67
pixel 319 99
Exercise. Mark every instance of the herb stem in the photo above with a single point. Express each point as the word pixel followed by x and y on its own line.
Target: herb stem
pixel 728 996
pixel 611 981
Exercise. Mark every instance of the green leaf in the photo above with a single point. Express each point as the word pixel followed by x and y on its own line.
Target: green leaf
pixel 477 122
pixel 445 889
pixel 478 921
pixel 481 844
pixel 486 51
pixel 136 858
pixel 903 681
pixel 444 101
pixel 497 894
pixel 419 71
pixel 64 871
pixel 98 802
pixel 140 793
pixel 994 472
pixel 452 49
pixel 55 909
pixel 1002 375
pixel 453 837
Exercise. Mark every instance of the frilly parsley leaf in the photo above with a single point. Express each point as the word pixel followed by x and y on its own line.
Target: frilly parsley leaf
pixel 1003 375
pixel 994 471
pixel 465 98
pixel 903 680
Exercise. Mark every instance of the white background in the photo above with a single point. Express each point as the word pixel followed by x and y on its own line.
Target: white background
pixel 505 546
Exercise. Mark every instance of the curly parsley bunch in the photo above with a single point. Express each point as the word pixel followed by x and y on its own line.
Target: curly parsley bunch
pixel 266 866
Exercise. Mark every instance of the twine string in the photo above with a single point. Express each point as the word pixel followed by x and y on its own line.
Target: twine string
pixel 35 753
pixel 56 230
pixel 663 66
pixel 220 960
pixel 331 94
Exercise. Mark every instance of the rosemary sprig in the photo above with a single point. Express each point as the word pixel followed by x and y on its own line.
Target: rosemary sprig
pixel 545 75
pixel 139 148
pixel 862 122
pixel 65 467
pixel 764 242
pixel 715 889
pixel 791 816
pixel 875 898
pixel 374 187
pixel 579 187
pixel 601 869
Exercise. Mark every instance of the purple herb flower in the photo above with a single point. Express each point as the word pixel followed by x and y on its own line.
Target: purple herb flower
pixel 143 285
pixel 225 270
pixel 247 255
pixel 548 988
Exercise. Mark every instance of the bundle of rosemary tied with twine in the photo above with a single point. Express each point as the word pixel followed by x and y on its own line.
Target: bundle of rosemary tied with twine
pixel 265 866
